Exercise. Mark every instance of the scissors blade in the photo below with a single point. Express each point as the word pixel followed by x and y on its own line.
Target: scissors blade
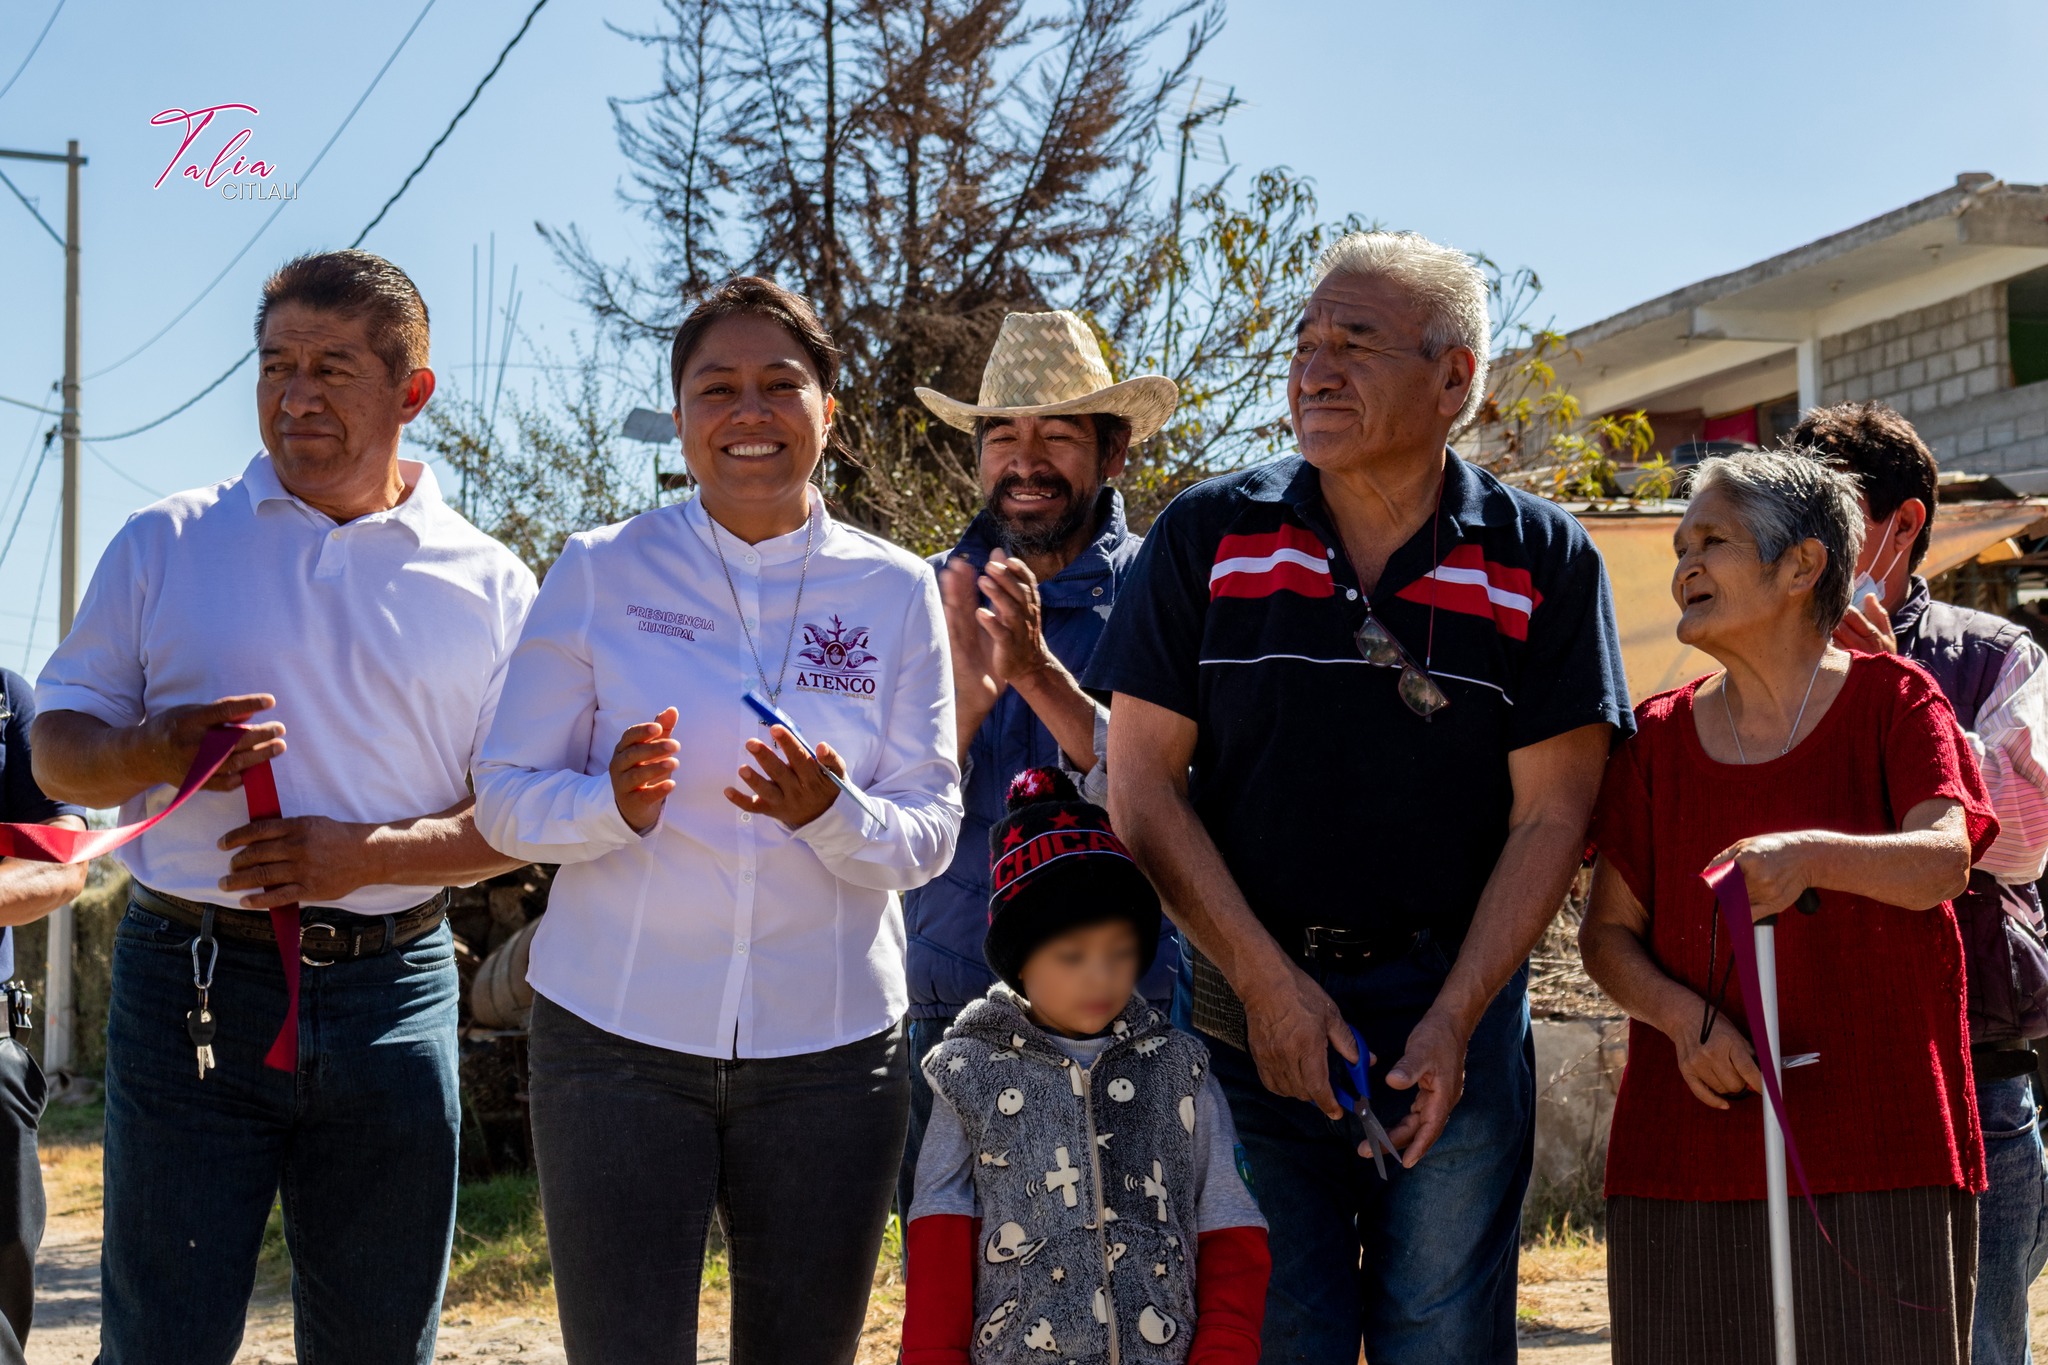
pixel 1376 1136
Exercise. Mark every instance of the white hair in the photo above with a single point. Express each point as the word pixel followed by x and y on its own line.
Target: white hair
pixel 1446 282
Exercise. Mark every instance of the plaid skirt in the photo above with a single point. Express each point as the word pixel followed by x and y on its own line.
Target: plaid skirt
pixel 1689 1283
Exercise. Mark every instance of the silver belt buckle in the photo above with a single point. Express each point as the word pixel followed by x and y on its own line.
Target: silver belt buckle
pixel 316 924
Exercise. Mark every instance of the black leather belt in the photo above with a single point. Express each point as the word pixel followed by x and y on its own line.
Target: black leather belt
pixel 1350 950
pixel 2003 1061
pixel 326 935
pixel 1219 1013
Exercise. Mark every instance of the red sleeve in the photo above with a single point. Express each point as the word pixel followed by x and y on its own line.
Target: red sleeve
pixel 1621 819
pixel 1926 758
pixel 938 1299
pixel 1232 1266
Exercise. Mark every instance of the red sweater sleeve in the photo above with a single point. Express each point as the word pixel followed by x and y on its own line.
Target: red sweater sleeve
pixel 1231 1269
pixel 938 1308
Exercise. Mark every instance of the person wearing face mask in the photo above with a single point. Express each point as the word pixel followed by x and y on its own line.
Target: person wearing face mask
pixel 1028 591
pixel 1992 673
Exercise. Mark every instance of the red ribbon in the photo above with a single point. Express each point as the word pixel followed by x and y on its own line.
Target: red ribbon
pixel 56 844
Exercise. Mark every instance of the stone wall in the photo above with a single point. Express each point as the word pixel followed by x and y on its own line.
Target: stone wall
pixel 1918 362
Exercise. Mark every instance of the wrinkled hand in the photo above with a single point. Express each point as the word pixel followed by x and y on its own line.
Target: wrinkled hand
pixel 1433 1066
pixel 1775 867
pixel 1292 1025
pixel 306 858
pixel 1013 619
pixel 1722 1066
pixel 643 770
pixel 790 786
pixel 1867 628
pixel 168 741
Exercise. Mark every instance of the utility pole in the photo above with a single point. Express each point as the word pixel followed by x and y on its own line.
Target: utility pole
pixel 58 996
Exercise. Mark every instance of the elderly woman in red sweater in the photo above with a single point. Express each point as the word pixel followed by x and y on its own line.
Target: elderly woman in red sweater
pixel 1810 767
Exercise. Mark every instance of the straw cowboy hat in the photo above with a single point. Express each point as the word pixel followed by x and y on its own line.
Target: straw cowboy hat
pixel 1051 365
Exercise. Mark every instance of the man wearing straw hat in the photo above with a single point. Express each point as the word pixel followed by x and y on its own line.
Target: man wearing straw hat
pixel 1027 591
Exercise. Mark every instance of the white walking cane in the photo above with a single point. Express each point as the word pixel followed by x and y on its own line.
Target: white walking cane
pixel 1776 1195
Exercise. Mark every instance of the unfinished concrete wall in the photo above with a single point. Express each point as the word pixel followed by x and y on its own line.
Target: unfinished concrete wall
pixel 1921 361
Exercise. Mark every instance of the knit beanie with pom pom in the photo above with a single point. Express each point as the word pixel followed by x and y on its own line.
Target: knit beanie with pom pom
pixel 1054 865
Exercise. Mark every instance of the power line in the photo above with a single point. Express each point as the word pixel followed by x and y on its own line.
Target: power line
pixel 101 456
pixel 21 463
pixel 27 494
pixel 137 431
pixel 32 50
pixel 34 212
pixel 467 105
pixel 16 402
pixel 304 176
pixel 28 645
pixel 539 5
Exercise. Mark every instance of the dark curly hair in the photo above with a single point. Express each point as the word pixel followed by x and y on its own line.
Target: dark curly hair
pixel 1878 448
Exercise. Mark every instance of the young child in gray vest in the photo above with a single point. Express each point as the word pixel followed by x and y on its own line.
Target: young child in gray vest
pixel 1079 1197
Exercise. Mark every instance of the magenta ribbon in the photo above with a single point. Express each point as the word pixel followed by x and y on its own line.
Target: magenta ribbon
pixel 56 844
pixel 1731 896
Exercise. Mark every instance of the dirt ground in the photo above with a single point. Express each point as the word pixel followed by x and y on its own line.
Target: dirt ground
pixel 1563 1311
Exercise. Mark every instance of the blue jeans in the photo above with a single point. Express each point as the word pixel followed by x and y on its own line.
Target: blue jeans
pixel 2012 1221
pixel 360 1141
pixel 1421 1268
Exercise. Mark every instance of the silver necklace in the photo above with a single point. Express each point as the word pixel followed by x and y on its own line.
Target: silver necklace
pixel 1730 711
pixel 810 533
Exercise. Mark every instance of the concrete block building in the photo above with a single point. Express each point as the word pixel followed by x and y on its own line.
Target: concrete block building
pixel 1939 308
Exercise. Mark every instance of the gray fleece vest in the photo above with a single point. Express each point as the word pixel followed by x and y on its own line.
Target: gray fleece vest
pixel 1086 1184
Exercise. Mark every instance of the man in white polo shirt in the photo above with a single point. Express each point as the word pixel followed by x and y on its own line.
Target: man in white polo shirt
pixel 329 598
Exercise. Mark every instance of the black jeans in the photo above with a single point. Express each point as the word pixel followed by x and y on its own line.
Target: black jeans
pixel 21 1193
pixel 636 1144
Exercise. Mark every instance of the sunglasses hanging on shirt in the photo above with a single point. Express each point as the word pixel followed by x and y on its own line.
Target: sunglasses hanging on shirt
pixel 1378 647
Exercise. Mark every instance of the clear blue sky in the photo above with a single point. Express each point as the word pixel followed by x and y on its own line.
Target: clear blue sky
pixel 1621 150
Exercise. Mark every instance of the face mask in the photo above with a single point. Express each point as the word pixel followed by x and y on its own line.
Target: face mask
pixel 1868 586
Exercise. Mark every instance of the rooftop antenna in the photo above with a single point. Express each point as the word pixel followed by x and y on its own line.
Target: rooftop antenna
pixel 513 298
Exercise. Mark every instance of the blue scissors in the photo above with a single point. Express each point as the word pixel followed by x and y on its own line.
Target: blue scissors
pixel 1357 1098
pixel 771 714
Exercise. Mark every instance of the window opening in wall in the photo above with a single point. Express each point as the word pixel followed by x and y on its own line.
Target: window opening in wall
pixel 2026 306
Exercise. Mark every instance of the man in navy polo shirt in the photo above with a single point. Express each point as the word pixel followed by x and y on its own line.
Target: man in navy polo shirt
pixel 1026 592
pixel 1362 701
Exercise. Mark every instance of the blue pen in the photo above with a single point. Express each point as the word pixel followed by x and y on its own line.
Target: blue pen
pixel 770 714
pixel 1357 1097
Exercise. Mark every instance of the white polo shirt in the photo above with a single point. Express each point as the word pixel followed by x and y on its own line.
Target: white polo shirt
pixel 384 641
pixel 718 932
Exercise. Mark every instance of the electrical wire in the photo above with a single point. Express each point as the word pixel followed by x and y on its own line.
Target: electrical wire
pixel 16 402
pixel 34 212
pixel 27 494
pixel 101 456
pixel 304 176
pixel 21 463
pixel 539 5
pixel 42 583
pixel 150 425
pixel 32 50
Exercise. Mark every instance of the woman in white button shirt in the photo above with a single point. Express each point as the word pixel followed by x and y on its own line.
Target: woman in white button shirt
pixel 719 977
